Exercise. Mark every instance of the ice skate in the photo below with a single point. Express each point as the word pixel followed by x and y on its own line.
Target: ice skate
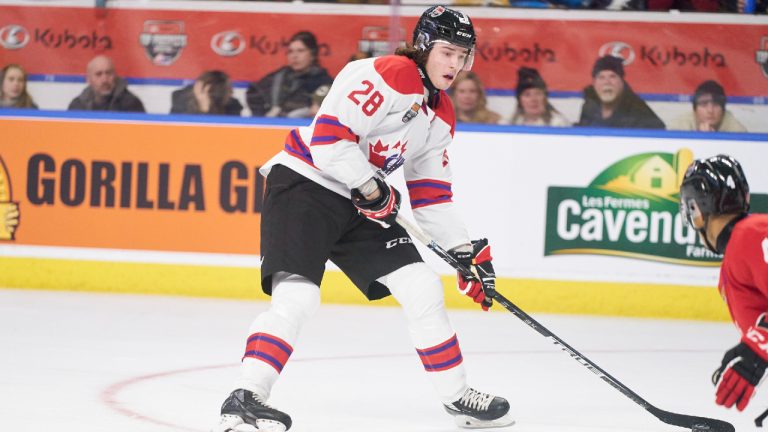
pixel 476 410
pixel 244 411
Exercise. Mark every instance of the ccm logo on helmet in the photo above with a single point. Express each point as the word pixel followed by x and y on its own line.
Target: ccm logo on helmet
pixel 398 241
pixel 461 33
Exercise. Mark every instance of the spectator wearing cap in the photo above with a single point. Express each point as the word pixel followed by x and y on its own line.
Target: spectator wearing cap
pixel 287 92
pixel 611 102
pixel 533 107
pixel 469 101
pixel 709 113
pixel 211 93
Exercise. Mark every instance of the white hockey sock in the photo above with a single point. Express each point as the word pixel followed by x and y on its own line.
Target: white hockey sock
pixel 273 333
pixel 420 292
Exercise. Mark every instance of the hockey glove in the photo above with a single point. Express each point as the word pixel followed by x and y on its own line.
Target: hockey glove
pixel 743 367
pixel 383 209
pixel 484 280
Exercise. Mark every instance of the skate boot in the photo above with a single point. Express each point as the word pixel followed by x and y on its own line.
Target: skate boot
pixel 243 408
pixel 475 410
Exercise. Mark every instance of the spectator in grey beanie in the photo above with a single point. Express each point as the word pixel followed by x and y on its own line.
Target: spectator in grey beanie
pixel 611 102
pixel 533 107
pixel 709 113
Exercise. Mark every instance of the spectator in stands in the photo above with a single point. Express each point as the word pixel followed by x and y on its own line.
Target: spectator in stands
pixel 469 101
pixel 610 101
pixel 105 91
pixel 533 107
pixel 709 113
pixel 211 93
pixel 287 92
pixel 13 88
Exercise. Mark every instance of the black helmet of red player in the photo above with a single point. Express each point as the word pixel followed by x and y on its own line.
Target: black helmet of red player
pixel 443 24
pixel 713 186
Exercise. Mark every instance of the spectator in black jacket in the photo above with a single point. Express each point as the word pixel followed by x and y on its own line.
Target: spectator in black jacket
pixel 287 92
pixel 105 91
pixel 211 93
pixel 610 101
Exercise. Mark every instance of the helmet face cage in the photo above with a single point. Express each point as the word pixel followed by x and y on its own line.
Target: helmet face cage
pixel 442 24
pixel 689 207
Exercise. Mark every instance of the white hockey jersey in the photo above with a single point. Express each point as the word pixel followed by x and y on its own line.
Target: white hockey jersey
pixel 375 118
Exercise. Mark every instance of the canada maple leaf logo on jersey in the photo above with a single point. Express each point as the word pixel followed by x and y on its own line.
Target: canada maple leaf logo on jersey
pixel 387 158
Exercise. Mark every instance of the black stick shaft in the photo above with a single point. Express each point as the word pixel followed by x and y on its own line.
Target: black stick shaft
pixel 682 420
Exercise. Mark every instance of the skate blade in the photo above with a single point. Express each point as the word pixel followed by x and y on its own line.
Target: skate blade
pixel 467 422
pixel 233 423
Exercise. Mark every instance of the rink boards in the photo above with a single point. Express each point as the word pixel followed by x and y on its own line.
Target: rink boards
pixel 580 221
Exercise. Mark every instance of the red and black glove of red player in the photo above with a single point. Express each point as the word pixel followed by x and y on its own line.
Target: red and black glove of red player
pixel 383 209
pixel 743 367
pixel 484 280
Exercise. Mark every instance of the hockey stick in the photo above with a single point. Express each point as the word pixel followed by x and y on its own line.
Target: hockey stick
pixel 695 424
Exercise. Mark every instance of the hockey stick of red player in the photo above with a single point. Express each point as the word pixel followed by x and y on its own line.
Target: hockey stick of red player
pixel 695 424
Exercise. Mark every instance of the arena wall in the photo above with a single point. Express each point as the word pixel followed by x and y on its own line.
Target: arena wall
pixel 580 220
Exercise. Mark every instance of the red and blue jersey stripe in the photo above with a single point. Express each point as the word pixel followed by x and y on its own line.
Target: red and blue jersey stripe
pixel 441 357
pixel 329 130
pixel 269 349
pixel 294 146
pixel 428 192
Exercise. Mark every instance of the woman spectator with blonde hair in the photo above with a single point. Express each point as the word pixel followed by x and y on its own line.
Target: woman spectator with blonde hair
pixel 13 88
pixel 533 107
pixel 469 100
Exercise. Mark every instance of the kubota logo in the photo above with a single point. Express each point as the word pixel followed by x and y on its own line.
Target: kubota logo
pixel 228 43
pixel 618 49
pixel 14 37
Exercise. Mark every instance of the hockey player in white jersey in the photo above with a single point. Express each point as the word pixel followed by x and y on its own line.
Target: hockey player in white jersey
pixel 327 198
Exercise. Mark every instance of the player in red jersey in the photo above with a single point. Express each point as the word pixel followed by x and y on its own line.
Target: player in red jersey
pixel 714 200
pixel 327 198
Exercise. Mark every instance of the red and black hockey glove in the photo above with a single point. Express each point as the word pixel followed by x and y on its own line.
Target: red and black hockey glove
pixel 479 261
pixel 383 209
pixel 743 367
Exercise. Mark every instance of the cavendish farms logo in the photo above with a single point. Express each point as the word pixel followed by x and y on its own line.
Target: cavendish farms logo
pixel 629 210
pixel 9 210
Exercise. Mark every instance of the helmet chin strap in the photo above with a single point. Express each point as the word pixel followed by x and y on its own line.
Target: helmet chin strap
pixel 703 232
pixel 723 237
pixel 432 91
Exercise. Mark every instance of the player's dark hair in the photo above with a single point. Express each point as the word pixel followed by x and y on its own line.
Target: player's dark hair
pixel 418 56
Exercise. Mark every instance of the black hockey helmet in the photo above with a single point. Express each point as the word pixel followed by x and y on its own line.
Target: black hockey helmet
pixel 713 186
pixel 440 23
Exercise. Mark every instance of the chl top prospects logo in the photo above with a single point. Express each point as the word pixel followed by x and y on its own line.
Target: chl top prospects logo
pixel 163 41
pixel 629 210
pixel 761 55
pixel 9 210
